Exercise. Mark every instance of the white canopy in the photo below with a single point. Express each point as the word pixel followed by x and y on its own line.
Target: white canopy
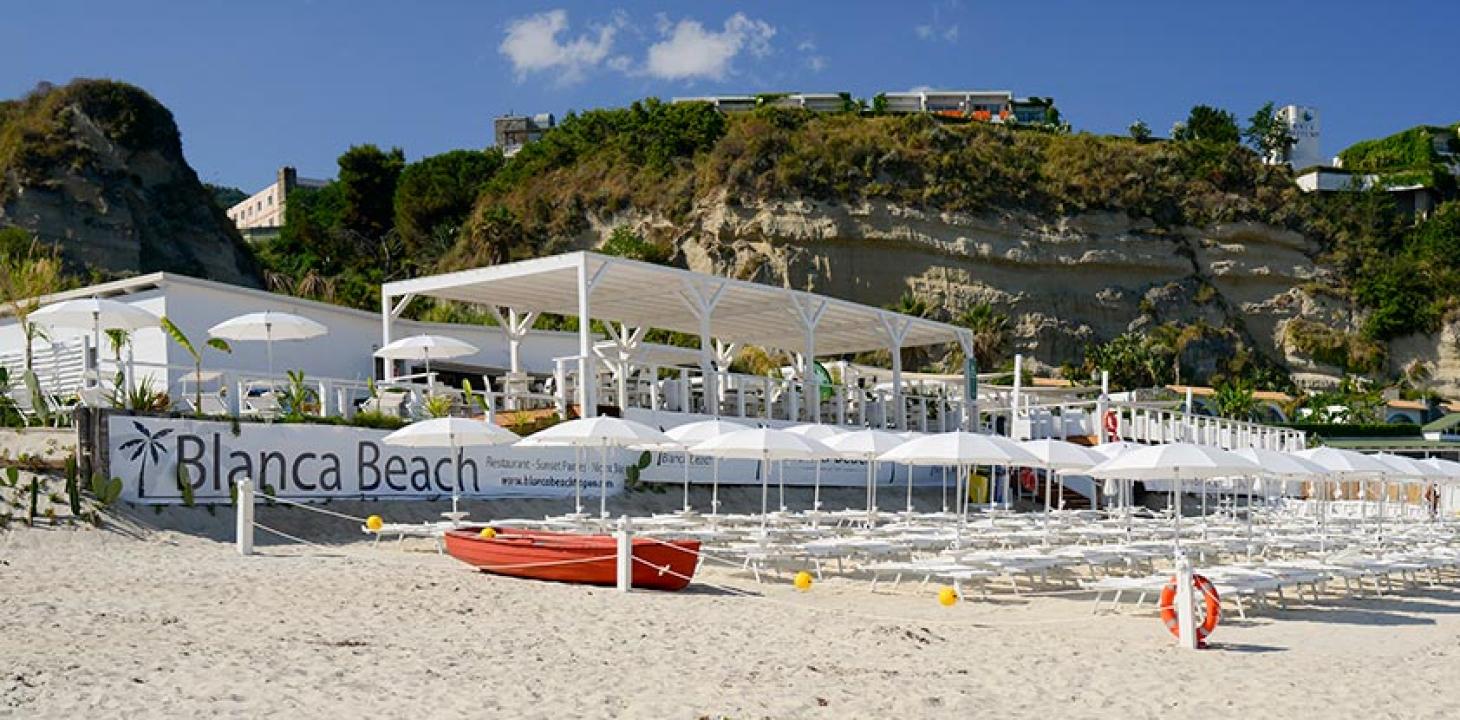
pixel 960 448
pixel 762 444
pixel 865 444
pixel 1403 468
pixel 93 314
pixel 1447 471
pixel 450 432
pixel 426 347
pixel 696 432
pixel 1344 463
pixel 1276 464
pixel 600 432
pixel 815 431
pixel 1185 461
pixel 268 326
pixel 643 294
pixel 1061 455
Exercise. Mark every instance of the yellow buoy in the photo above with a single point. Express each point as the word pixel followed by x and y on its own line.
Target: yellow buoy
pixel 488 533
pixel 374 523
pixel 803 580
pixel 947 596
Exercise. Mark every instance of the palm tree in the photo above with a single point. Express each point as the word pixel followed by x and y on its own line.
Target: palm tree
pixel 910 304
pixel 990 335
pixel 1235 400
pixel 219 344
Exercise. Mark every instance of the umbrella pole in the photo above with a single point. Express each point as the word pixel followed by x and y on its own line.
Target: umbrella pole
pixel 816 491
pixel 686 480
pixel 909 487
pixel 781 484
pixel 1047 486
pixel 578 481
pixel 1176 493
pixel 945 488
pixel 456 489
pixel 603 481
pixel 765 492
pixel 715 488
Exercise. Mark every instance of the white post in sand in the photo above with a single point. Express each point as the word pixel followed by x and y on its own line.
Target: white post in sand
pixel 1185 608
pixel 625 554
pixel 244 531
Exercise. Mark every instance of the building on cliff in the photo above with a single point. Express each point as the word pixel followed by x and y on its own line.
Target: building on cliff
pixel 512 132
pixel 262 214
pixel 980 105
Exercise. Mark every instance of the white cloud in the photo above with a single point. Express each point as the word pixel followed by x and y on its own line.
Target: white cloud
pixel 532 44
pixel 817 63
pixel 690 52
pixel 924 31
pixel 951 34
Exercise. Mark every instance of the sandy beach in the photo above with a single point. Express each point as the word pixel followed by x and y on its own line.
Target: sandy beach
pixel 140 621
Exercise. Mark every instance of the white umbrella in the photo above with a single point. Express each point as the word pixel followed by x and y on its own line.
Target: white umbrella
pixel 697 432
pixel 1403 469
pixel 96 315
pixel 765 445
pixel 820 433
pixel 425 347
pixel 960 449
pixel 1277 465
pixel 602 432
pixel 1058 455
pixel 867 446
pixel 1176 461
pixel 1342 465
pixel 268 326
pixel 452 433
pixel 1447 472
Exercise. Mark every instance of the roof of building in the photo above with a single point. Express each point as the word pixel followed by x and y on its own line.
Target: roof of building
pixel 646 295
pixel 1446 423
pixel 1203 391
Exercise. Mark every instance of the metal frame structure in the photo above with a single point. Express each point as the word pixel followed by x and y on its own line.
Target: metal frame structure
pixel 638 295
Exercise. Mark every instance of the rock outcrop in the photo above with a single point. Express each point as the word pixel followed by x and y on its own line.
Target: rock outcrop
pixel 97 168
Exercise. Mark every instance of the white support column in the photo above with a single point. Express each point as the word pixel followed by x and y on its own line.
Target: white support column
pixel 1016 397
pixel 388 313
pixel 1102 406
pixel 625 565
pixel 701 299
pixel 808 311
pixel 896 327
pixel 587 377
pixel 514 326
pixel 969 421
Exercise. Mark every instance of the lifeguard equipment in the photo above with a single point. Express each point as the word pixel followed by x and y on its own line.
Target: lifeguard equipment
pixel 1111 421
pixel 1208 608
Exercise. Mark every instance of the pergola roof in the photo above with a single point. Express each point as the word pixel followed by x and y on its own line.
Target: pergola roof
pixel 646 295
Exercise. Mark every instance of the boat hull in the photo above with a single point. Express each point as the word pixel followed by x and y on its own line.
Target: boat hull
pixel 574 558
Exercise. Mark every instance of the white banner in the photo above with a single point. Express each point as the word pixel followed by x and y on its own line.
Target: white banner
pixel 153 455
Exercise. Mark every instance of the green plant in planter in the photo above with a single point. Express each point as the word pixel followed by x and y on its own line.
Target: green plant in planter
pixel 299 398
pixel 634 473
pixel 437 405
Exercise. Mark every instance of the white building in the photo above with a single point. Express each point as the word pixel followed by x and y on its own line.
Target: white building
pixel 341 361
pixel 264 210
pixel 513 132
pixel 1304 127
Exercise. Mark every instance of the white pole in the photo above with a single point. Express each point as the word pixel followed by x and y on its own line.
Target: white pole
pixel 244 531
pixel 686 479
pixel 1014 397
pixel 603 481
pixel 586 384
pixel 625 554
pixel 1185 607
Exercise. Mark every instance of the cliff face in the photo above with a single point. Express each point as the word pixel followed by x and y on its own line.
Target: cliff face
pixel 97 168
pixel 1065 284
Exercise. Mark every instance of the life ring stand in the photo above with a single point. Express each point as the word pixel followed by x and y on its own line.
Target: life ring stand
pixel 1208 608
pixel 1111 422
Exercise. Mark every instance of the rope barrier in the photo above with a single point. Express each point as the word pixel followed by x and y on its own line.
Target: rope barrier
pixel 306 506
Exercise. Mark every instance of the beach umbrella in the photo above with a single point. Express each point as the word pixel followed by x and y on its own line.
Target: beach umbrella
pixel 697 432
pixel 960 449
pixel 425 347
pixel 1447 472
pixel 1176 462
pixel 820 433
pixel 602 432
pixel 765 445
pixel 451 433
pixel 1059 456
pixel 1280 466
pixel 867 446
pixel 1340 465
pixel 1403 469
pixel 94 314
pixel 269 326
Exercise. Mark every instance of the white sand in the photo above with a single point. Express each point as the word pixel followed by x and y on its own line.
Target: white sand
pixel 149 623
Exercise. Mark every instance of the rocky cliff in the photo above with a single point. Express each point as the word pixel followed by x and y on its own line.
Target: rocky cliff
pixel 97 168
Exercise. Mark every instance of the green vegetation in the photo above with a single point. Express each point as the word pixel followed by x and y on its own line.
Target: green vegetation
pixel 1208 124
pixel 1408 157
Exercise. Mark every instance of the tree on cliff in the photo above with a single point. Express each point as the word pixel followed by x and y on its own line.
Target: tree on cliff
pixel 990 330
pixel 368 178
pixel 1267 134
pixel 1210 124
pixel 434 197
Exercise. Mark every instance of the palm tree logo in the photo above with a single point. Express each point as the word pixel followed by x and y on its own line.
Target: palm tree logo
pixel 149 444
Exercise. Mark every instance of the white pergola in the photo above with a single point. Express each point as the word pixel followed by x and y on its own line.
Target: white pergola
pixel 638 296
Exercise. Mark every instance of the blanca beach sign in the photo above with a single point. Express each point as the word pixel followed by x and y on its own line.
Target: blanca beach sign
pixel 153 455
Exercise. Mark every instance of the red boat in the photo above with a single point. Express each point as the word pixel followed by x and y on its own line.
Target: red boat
pixel 574 558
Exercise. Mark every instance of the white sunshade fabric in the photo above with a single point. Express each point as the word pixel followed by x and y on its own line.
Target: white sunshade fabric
pixel 762 444
pixel 1280 464
pixel 815 431
pixel 1344 463
pixel 601 431
pixel 269 326
pixel 960 448
pixel 90 313
pixel 865 444
pixel 1403 468
pixel 698 432
pixel 647 295
pixel 426 347
pixel 1115 449
pixel 1446 471
pixel 450 432
pixel 1061 455
pixel 1184 460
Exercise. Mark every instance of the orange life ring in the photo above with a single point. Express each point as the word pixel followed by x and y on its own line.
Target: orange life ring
pixel 1208 608
pixel 1112 423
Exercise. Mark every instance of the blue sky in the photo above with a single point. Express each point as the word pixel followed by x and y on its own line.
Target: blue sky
pixel 258 85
